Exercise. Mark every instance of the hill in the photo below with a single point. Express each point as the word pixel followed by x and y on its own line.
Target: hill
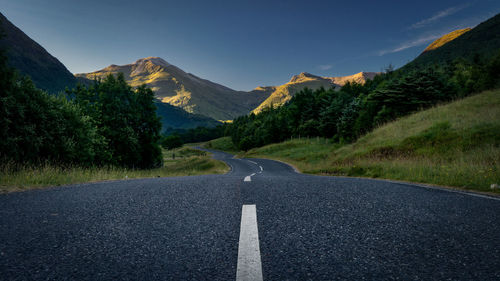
pixel 174 86
pixel 279 95
pixel 483 40
pixel 446 39
pixel 31 59
pixel 176 118
pixel 457 144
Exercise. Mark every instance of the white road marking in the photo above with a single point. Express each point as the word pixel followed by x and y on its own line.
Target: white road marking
pixel 252 162
pixel 249 264
pixel 248 178
pixel 252 175
pixel 261 169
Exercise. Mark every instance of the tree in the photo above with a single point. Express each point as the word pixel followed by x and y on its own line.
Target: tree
pixel 126 119
pixel 171 142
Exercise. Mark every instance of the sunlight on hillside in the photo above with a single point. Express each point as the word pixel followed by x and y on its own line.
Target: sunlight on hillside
pixel 446 38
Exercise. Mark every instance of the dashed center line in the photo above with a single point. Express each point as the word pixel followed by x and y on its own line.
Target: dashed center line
pixel 249 263
pixel 249 178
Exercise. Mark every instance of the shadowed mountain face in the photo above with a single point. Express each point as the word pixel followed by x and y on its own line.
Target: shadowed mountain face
pixel 279 95
pixel 176 118
pixel 174 86
pixel 31 59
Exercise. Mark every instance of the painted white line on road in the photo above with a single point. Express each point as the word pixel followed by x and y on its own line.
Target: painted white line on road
pixel 248 178
pixel 252 162
pixel 252 175
pixel 249 264
pixel 261 169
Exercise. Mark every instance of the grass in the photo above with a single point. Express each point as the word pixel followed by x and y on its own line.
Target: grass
pixel 187 162
pixel 457 144
pixel 224 144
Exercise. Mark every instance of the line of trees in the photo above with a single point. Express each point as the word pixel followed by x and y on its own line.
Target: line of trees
pixel 176 138
pixel 346 114
pixel 108 123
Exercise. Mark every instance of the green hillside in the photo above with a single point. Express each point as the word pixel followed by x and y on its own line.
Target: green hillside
pixel 31 59
pixel 483 40
pixel 457 144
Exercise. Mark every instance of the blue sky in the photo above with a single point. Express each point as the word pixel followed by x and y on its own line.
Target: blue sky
pixel 243 44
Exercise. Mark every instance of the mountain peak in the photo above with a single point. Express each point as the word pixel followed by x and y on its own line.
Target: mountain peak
pixel 302 77
pixel 154 60
pixel 148 65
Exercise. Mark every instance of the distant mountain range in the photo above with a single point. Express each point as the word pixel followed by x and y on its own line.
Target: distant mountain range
pixel 174 86
pixel 278 95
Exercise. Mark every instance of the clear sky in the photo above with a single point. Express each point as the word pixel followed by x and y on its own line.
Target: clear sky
pixel 243 44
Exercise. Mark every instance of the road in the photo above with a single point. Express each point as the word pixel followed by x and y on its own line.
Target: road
pixel 308 227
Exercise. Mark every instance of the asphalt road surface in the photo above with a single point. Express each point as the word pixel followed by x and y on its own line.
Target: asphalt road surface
pixel 308 227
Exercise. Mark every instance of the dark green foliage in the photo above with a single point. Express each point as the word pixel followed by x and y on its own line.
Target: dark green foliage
pixel 416 90
pixel 199 134
pixel 126 119
pixel 36 127
pixel 171 142
pixel 108 123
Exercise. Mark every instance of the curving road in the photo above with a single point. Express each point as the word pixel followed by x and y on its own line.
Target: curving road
pixel 309 228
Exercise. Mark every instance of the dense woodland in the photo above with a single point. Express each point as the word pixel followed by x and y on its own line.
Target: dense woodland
pixel 108 123
pixel 355 109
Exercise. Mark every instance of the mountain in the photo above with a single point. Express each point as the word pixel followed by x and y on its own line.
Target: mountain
pixel 31 59
pixel 483 40
pixel 278 95
pixel 174 86
pixel 173 117
pixel 446 39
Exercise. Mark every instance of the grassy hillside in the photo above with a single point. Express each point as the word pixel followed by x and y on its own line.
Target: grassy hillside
pixel 224 144
pixel 187 162
pixel 483 39
pixel 457 144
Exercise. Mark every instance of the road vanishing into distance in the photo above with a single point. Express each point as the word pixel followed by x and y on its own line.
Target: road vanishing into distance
pixel 261 221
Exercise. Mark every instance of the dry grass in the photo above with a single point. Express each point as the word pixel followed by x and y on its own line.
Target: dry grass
pixel 187 162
